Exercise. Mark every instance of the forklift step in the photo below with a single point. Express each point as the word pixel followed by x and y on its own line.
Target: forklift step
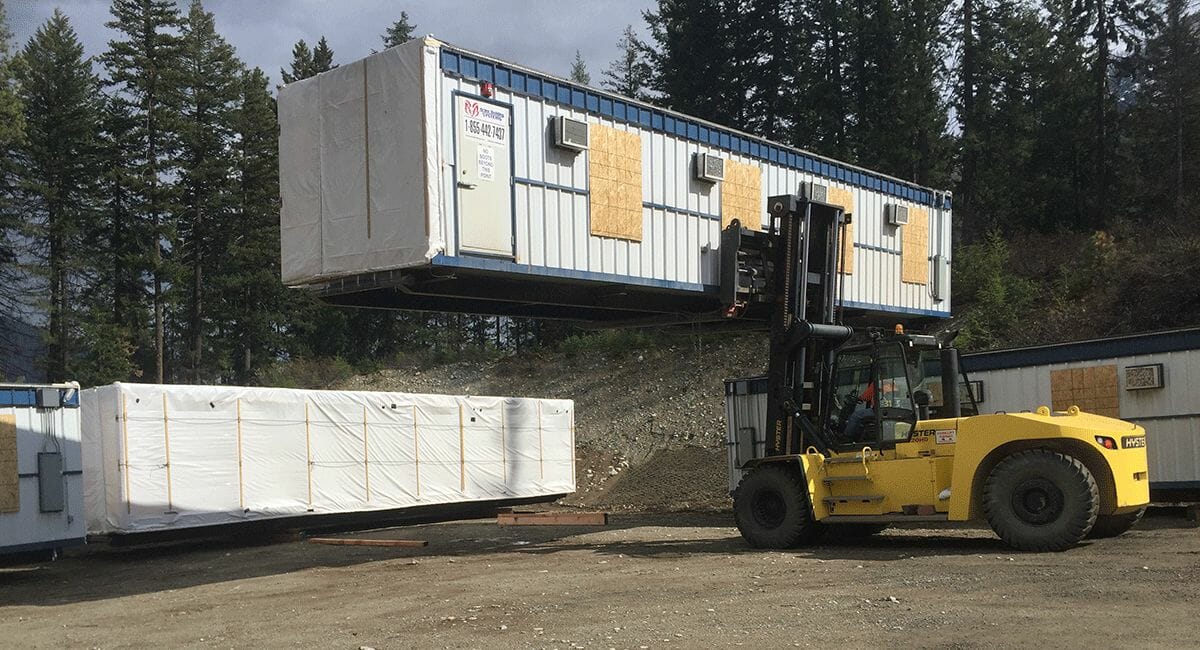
pixel 830 480
pixel 883 519
pixel 855 498
pixel 846 459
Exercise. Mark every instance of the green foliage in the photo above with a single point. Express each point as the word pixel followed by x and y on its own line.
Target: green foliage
pixel 608 342
pixel 629 74
pixel 318 373
pixel 57 179
pixel 400 31
pixel 994 302
pixel 579 72
pixel 306 63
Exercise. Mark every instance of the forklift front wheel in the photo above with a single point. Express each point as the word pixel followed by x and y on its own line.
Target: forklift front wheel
pixel 771 508
pixel 1041 500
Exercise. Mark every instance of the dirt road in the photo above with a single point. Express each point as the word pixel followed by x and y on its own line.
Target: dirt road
pixel 644 581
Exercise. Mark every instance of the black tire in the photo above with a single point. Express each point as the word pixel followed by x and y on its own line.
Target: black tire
pixel 771 508
pixel 854 531
pixel 1114 525
pixel 1041 500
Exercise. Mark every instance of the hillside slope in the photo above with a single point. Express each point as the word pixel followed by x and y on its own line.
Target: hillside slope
pixel 650 424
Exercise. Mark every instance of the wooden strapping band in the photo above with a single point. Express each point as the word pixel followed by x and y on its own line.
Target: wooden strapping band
pixel 541 464
pixel 125 444
pixel 241 480
pixel 167 450
pixel 416 450
pixel 503 447
pixel 366 455
pixel 308 450
pixel 462 452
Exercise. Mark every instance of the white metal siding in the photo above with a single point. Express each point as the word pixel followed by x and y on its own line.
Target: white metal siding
pixel 1171 415
pixel 45 430
pixel 681 229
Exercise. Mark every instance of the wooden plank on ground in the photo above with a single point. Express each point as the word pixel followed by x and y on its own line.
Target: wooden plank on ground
pixel 552 519
pixel 349 541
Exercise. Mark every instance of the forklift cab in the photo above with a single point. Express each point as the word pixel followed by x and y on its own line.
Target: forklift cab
pixel 882 388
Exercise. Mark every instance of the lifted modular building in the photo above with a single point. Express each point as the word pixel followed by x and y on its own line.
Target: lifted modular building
pixel 41 482
pixel 430 177
pixel 1148 379
pixel 169 457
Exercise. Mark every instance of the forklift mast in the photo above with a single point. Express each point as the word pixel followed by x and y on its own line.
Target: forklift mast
pixel 789 274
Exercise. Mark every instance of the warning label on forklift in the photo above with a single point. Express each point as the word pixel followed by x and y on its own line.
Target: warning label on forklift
pixel 946 436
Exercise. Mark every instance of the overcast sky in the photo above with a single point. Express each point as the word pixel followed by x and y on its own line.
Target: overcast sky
pixel 541 34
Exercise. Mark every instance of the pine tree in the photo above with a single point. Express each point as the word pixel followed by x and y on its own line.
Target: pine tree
pixel 302 63
pixel 695 61
pixel 629 74
pixel 579 72
pixel 144 66
pixel 210 80
pixel 251 308
pixel 401 31
pixel 11 136
pixel 322 59
pixel 1165 137
pixel 59 167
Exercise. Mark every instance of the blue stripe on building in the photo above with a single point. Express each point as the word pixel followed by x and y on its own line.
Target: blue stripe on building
pixel 1117 346
pixel 617 108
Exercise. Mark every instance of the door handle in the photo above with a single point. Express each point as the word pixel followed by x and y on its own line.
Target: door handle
pixel 467 186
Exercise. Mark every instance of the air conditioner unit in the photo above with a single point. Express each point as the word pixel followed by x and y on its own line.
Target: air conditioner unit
pixel 570 134
pixel 814 192
pixel 710 168
pixel 897 215
pixel 1144 376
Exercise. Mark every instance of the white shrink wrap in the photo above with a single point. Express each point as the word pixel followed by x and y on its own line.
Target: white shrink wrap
pixel 160 457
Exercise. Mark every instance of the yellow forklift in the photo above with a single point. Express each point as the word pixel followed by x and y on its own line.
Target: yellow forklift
pixel 860 430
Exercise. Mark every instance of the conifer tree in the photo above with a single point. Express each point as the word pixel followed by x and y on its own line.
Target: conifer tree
pixel 11 135
pixel 400 31
pixel 143 66
pixel 210 77
pixel 302 63
pixel 579 72
pixel 59 168
pixel 629 74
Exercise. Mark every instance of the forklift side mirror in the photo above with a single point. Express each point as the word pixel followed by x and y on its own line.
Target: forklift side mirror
pixel 922 398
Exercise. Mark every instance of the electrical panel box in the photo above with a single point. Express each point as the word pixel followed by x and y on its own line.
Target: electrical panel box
pixel 569 133
pixel 941 278
pixel 896 215
pixel 49 398
pixel 710 168
pixel 51 491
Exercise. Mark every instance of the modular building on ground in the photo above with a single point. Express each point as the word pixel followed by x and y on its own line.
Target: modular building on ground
pixel 41 482
pixel 427 176
pixel 1149 379
pixel 168 457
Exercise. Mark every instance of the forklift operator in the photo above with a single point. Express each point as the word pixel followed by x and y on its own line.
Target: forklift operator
pixel 865 407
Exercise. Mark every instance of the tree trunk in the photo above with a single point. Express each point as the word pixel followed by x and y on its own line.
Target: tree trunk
pixel 194 324
pixel 967 119
pixel 1102 56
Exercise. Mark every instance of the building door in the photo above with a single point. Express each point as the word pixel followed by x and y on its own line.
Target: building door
pixel 483 134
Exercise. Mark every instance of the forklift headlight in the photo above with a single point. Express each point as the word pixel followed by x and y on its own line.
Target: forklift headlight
pixel 1106 442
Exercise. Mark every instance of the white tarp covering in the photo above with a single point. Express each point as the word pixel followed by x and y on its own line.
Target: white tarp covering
pixel 358 166
pixel 160 456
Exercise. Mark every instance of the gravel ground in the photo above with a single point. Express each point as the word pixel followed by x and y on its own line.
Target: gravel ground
pixel 645 581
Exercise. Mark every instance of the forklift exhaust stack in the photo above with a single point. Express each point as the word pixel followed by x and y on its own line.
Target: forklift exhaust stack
pixel 951 401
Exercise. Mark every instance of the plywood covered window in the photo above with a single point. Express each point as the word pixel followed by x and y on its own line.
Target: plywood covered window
pixel 845 198
pixel 615 183
pixel 914 247
pixel 741 195
pixel 10 494
pixel 1093 390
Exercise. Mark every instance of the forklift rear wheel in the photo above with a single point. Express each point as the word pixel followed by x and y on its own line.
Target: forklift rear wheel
pixel 1114 525
pixel 771 508
pixel 1041 500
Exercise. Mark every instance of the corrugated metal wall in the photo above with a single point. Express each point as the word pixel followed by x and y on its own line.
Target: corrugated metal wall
pixel 53 430
pixel 681 232
pixel 1171 415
